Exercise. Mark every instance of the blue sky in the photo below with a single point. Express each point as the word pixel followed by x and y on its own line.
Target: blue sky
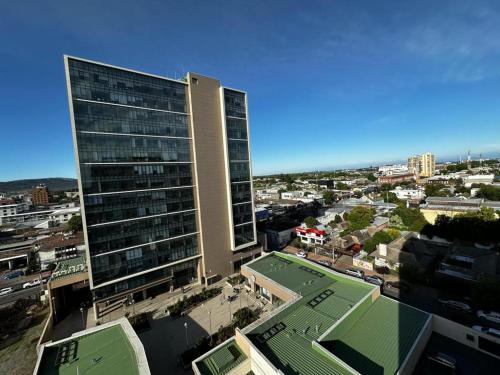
pixel 330 83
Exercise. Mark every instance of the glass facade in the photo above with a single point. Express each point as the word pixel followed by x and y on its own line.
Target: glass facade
pixel 133 146
pixel 239 167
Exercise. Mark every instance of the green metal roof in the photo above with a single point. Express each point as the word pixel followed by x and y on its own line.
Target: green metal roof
pixel 326 297
pixel 380 339
pixel 69 267
pixel 223 360
pixel 373 338
pixel 107 351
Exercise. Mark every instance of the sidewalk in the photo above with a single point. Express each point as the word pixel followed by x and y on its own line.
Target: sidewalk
pixel 157 305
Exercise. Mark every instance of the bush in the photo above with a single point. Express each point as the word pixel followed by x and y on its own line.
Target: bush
pixel 238 279
pixel 139 322
pixel 311 222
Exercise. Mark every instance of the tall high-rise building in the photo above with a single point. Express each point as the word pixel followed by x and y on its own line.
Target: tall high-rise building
pixel 414 164
pixel 165 178
pixel 40 195
pixel 427 165
pixel 422 165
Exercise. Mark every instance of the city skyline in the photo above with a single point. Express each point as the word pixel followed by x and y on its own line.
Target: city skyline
pixel 387 84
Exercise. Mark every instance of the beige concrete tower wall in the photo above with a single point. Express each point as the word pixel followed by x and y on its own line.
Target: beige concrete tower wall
pixel 210 174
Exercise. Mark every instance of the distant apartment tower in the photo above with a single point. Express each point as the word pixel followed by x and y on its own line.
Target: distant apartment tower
pixel 422 165
pixel 427 165
pixel 40 195
pixel 164 176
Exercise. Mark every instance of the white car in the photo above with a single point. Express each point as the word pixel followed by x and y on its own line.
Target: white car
pixel 491 316
pixel 455 305
pixel 5 291
pixel 301 254
pixel 31 283
pixel 489 331
pixel 355 272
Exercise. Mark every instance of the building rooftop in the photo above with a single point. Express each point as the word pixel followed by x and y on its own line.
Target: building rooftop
pixel 59 240
pixel 335 324
pixel 222 360
pixel 113 348
pixel 69 267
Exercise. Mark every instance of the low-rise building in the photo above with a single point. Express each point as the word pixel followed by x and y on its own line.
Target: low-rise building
pixel 486 179
pixel 59 246
pixel 448 206
pixel 327 323
pixel 408 194
pixel 396 178
pixel 279 233
pixel 111 348
pixel 312 236
pixel 392 169
pixel 62 216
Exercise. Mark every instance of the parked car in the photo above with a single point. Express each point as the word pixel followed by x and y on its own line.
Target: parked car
pixel 489 331
pixel 32 283
pixel 374 280
pixel 455 305
pixel 400 285
pixel 355 272
pixel 301 254
pixel 325 263
pixel 6 291
pixel 443 359
pixel 491 316
pixel 13 275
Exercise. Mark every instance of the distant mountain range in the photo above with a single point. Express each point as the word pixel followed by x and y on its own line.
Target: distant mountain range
pixel 55 183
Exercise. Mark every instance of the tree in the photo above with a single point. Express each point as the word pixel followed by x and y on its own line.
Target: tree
pixel 311 222
pixel 338 219
pixel 412 218
pixel 360 217
pixel 341 185
pixel 328 196
pixel 392 198
pixel 371 177
pixel 394 233
pixel 382 237
pixel 396 221
pixel 485 214
pixel 75 224
pixel 435 190
pixel 489 192
pixel 385 187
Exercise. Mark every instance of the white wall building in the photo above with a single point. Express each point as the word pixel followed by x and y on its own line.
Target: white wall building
pixel 486 179
pixel 391 169
pixel 64 215
pixel 405 194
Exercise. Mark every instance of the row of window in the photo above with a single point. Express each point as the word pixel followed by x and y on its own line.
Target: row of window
pixel 242 213
pixel 104 84
pixel 107 208
pixel 138 232
pixel 238 150
pixel 116 265
pixel 117 119
pixel 113 178
pixel 241 193
pixel 181 274
pixel 94 148
pixel 235 103
pixel 236 128
pixel 243 234
pixel 239 172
